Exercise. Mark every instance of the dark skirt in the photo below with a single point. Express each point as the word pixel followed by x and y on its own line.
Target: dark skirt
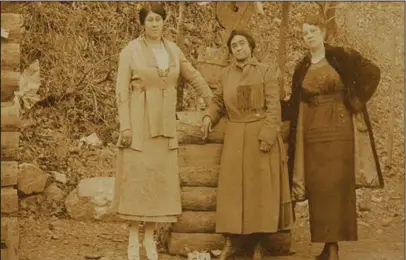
pixel 329 171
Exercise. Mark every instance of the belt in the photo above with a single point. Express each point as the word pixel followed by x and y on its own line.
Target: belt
pixel 250 119
pixel 321 98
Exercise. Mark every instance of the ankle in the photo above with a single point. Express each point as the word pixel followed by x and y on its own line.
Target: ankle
pixel 150 249
pixel 332 247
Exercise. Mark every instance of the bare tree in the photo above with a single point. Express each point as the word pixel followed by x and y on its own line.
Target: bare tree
pixel 328 10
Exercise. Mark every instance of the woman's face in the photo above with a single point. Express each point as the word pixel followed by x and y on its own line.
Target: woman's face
pixel 153 25
pixel 240 48
pixel 313 36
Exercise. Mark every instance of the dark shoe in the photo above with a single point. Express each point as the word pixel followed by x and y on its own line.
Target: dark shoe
pixel 323 255
pixel 227 251
pixel 258 252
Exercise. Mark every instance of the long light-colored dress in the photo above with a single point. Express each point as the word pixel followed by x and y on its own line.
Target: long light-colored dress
pixel 147 180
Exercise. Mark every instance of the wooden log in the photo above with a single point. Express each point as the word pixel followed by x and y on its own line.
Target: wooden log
pixel 10 56
pixel 10 81
pixel 12 23
pixel 201 176
pixel 198 198
pixel 11 238
pixel 9 172
pixel 10 7
pixel 196 222
pixel 9 146
pixel 189 129
pixel 198 155
pixel 10 117
pixel 9 200
pixel 183 243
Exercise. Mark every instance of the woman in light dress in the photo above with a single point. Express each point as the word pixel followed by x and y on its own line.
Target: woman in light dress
pixel 147 185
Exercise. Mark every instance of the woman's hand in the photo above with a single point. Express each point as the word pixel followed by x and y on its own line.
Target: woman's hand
pixel 126 137
pixel 206 127
pixel 264 147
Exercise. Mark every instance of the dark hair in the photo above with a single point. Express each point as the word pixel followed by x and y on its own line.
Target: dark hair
pixel 250 39
pixel 316 20
pixel 151 7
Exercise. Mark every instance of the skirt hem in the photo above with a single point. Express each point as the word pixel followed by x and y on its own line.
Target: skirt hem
pixel 166 219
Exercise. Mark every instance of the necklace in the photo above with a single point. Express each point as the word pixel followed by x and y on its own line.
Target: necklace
pixel 161 57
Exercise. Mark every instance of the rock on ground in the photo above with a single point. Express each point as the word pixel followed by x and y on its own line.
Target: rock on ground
pixel 54 193
pixel 91 200
pixel 31 179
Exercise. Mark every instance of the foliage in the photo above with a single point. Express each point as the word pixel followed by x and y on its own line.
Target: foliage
pixel 77 45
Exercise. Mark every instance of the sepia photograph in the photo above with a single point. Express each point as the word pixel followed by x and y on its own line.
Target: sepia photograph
pixel 200 130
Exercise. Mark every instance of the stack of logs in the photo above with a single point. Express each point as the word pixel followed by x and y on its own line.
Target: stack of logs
pixel 10 121
pixel 199 163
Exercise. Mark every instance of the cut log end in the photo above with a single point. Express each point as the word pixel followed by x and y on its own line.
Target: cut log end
pixel 9 146
pixel 196 222
pixel 10 56
pixel 197 155
pixel 10 81
pixel 10 116
pixel 199 176
pixel 189 129
pixel 9 172
pixel 10 238
pixel 9 200
pixel 199 198
pixel 10 7
pixel 11 23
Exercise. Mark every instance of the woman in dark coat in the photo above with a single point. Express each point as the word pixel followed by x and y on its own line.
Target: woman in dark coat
pixel 253 196
pixel 330 86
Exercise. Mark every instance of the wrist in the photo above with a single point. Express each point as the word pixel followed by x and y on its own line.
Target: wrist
pixel 206 117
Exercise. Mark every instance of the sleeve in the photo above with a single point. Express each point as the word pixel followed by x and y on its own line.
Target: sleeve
pixel 366 77
pixel 122 90
pixel 271 127
pixel 216 108
pixel 290 107
pixel 193 77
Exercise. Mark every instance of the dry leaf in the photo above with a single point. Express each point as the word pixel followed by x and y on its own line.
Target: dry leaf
pixel 30 81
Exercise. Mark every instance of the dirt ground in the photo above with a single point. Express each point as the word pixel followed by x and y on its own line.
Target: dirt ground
pixel 380 222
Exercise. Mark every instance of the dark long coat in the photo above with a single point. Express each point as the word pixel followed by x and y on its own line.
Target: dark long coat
pixel 360 77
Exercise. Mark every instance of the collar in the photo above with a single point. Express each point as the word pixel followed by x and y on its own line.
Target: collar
pixel 251 61
pixel 327 47
pixel 151 57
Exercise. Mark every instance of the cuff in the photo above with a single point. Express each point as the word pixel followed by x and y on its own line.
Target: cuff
pixel 267 135
pixel 124 127
pixel 356 105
